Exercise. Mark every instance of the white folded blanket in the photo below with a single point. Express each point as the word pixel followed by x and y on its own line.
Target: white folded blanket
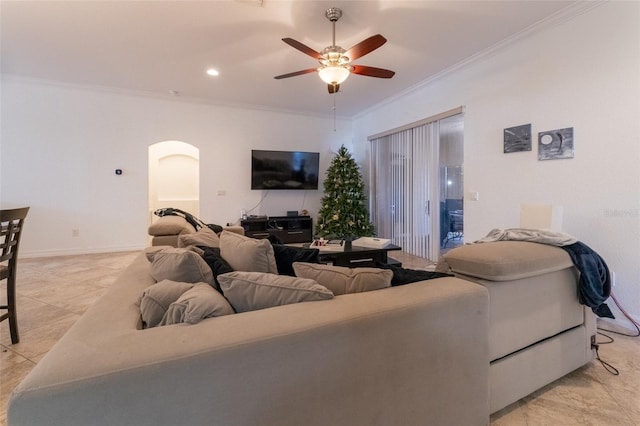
pixel 542 236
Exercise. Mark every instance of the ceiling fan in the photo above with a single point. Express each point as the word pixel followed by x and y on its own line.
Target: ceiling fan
pixel 335 62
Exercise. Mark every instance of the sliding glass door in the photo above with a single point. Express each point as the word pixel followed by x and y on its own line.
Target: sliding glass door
pixel 451 179
pixel 406 191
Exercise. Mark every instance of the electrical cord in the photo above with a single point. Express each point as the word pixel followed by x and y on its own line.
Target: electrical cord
pixel 259 202
pixel 237 222
pixel 610 368
pixel 596 345
pixel 608 337
pixel 629 317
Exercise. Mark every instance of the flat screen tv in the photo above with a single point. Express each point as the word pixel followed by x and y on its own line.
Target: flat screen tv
pixel 284 169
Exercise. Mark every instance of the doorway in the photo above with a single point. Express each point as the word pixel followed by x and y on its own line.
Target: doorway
pixel 416 184
pixel 174 177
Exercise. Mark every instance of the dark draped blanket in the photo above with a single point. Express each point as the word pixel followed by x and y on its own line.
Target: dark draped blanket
pixel 594 285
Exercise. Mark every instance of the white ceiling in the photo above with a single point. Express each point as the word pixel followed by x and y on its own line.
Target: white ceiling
pixel 155 47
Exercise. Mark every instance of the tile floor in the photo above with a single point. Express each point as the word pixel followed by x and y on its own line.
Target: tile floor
pixel 54 292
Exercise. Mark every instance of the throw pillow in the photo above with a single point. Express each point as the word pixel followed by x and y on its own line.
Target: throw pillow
pixel 204 237
pixel 247 254
pixel 156 299
pixel 182 265
pixel 342 280
pixel 286 255
pixel 216 262
pixel 248 291
pixel 196 304
pixel 151 251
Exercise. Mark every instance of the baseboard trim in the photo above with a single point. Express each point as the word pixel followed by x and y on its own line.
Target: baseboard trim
pixel 78 251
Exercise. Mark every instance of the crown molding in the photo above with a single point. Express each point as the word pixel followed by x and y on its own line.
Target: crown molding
pixel 570 12
pixel 169 97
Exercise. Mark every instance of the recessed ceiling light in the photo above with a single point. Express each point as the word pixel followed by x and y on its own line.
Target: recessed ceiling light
pixel 213 72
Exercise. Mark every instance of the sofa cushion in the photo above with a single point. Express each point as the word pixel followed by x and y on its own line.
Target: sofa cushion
pixel 151 251
pixel 342 280
pixel 286 255
pixel 180 264
pixel 199 302
pixel 156 299
pixel 170 225
pixel 248 291
pixel 165 240
pixel 203 237
pixel 237 229
pixel 247 254
pixel 505 260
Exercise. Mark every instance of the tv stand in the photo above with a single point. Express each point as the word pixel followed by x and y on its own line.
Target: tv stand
pixel 288 229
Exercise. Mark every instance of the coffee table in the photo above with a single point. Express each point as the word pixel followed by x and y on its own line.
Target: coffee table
pixel 359 256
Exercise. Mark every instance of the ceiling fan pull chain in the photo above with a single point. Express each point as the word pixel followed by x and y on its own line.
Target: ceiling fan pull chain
pixel 334 112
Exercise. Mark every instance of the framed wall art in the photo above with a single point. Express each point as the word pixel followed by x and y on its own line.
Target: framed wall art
pixel 555 144
pixel 517 139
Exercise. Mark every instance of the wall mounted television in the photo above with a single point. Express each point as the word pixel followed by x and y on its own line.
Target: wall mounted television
pixel 284 169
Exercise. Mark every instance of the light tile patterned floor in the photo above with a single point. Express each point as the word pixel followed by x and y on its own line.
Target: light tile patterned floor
pixel 54 292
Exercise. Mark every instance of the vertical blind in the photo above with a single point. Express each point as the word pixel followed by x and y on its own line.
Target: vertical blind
pixel 402 188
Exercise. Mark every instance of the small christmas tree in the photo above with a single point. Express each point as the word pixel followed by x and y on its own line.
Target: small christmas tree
pixel 344 213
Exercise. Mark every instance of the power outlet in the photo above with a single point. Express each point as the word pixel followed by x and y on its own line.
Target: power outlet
pixel 75 232
pixel 594 343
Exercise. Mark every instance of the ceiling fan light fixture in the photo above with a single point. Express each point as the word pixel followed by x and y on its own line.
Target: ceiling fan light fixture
pixel 335 62
pixel 333 74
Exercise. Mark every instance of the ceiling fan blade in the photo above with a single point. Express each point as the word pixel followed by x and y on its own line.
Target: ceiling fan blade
pixel 303 48
pixel 365 46
pixel 333 88
pixel 372 71
pixel 293 74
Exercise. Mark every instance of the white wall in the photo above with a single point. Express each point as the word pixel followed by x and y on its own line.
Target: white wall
pixel 61 146
pixel 583 73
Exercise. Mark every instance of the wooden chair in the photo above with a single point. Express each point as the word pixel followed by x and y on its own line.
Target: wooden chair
pixel 11 224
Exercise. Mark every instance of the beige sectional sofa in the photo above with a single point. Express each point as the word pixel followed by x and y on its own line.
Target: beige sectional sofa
pixel 445 351
pixel 538 331
pixel 412 355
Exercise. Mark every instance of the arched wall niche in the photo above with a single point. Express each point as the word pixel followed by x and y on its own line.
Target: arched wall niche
pixel 174 177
